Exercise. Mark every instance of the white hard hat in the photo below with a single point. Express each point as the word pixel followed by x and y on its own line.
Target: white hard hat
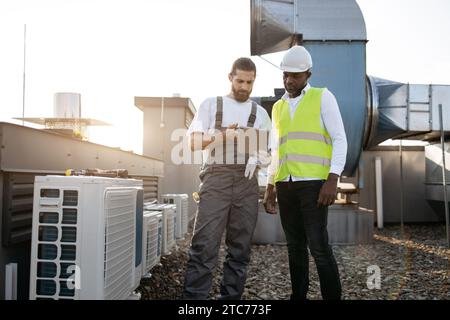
pixel 296 59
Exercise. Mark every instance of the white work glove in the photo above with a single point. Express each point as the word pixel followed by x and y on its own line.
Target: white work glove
pixel 260 159
pixel 250 169
pixel 263 159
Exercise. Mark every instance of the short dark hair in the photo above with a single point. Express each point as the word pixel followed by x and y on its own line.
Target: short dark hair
pixel 244 64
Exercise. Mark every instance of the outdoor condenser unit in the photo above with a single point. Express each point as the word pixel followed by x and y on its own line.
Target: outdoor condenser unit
pixel 169 224
pixel 152 240
pixel 181 201
pixel 86 237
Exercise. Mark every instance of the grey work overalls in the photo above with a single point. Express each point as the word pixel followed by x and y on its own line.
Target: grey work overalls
pixel 228 200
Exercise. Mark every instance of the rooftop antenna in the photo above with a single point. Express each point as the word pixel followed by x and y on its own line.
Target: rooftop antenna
pixel 23 81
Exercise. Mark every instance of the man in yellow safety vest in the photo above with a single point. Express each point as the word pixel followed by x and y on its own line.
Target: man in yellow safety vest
pixel 309 149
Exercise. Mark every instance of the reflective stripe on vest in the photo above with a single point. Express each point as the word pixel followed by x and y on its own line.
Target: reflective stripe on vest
pixel 305 136
pixel 305 158
pixel 305 147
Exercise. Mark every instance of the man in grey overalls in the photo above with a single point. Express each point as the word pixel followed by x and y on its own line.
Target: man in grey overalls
pixel 229 193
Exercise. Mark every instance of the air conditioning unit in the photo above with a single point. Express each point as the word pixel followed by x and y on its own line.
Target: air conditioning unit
pixel 169 224
pixel 152 240
pixel 181 201
pixel 86 237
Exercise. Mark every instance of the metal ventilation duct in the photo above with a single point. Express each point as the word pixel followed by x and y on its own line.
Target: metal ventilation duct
pixel 383 100
pixel 334 33
pixel 407 111
pixel 275 22
pixel 272 25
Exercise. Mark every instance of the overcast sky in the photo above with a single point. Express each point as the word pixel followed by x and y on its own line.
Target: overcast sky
pixel 110 51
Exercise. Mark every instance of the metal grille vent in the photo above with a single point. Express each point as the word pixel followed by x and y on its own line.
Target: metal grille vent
pixel 153 245
pixel 171 216
pixel 119 244
pixel 18 189
pixel 160 237
pixel 185 215
pixel 57 247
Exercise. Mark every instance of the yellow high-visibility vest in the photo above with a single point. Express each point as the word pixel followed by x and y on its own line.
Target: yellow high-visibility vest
pixel 305 147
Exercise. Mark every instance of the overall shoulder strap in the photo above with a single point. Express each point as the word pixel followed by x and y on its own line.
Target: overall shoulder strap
pixel 219 112
pixel 252 117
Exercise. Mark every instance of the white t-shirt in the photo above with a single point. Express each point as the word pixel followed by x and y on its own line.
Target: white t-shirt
pixel 233 112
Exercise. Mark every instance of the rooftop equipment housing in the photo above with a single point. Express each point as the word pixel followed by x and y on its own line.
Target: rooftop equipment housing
pixel 87 238
pixel 151 240
pixel 182 206
pixel 169 224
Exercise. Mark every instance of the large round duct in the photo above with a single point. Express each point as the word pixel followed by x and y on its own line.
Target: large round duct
pixel 386 110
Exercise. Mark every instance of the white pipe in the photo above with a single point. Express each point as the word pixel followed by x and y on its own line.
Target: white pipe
pixel 24 60
pixel 11 281
pixel 379 192
pixel 161 124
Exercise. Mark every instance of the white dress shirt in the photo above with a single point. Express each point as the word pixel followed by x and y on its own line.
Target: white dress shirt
pixel 330 119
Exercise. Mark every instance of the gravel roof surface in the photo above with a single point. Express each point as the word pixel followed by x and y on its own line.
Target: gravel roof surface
pixel 413 265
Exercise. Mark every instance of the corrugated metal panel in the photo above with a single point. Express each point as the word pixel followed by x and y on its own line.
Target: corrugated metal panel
pixel 415 206
pixel 348 225
pixel 151 187
pixel 17 207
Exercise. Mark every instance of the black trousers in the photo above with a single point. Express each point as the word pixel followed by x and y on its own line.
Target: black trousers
pixel 305 225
